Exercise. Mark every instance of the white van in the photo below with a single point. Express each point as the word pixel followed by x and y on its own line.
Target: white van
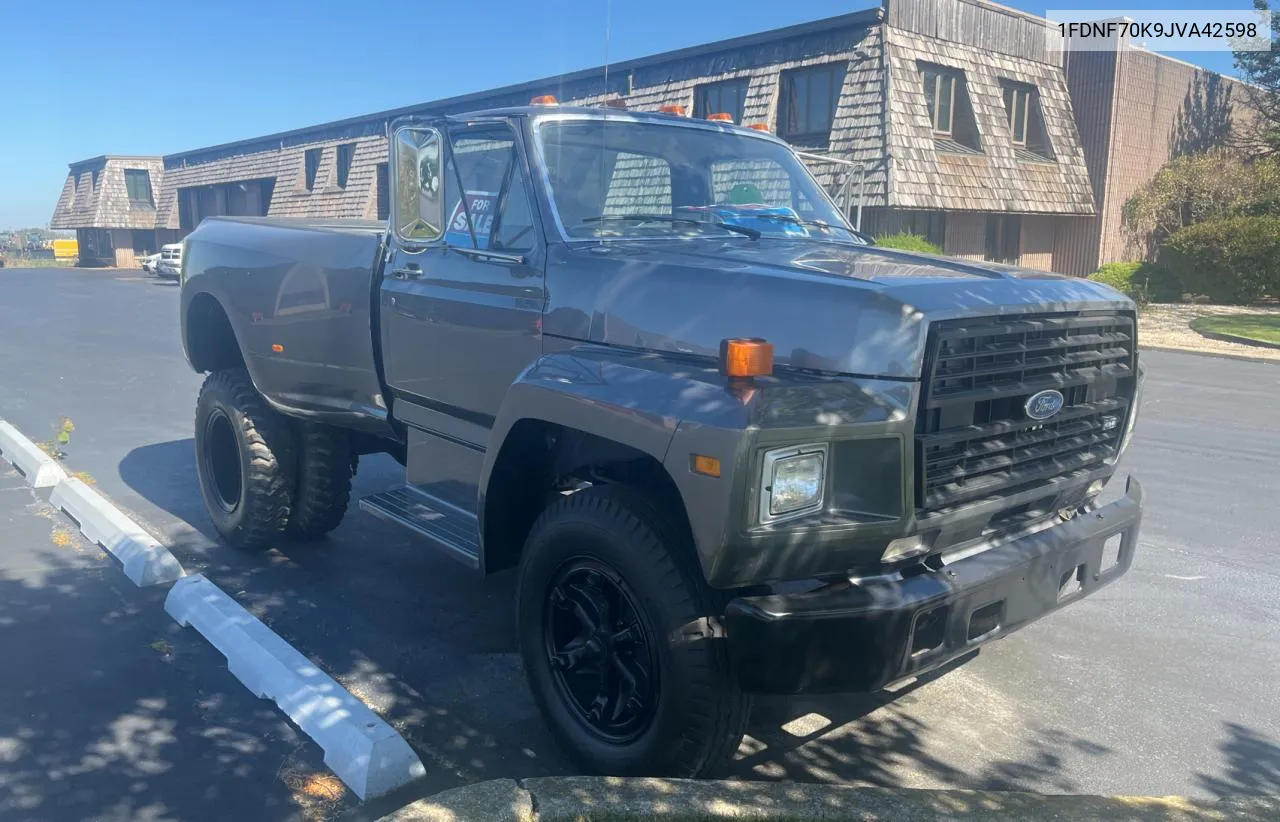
pixel 170 260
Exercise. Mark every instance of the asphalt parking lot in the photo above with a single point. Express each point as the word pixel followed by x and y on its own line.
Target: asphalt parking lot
pixel 1161 684
pixel 111 711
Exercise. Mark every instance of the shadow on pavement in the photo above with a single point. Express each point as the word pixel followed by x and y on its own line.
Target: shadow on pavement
pixel 1253 764
pixel 164 474
pixel 112 712
pixel 432 648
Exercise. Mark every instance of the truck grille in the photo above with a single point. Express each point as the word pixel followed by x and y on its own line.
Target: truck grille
pixel 974 439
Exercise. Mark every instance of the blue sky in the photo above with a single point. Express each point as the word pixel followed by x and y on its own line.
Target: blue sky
pixel 150 77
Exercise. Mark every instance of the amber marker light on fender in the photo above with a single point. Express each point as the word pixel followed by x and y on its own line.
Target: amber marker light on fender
pixel 707 466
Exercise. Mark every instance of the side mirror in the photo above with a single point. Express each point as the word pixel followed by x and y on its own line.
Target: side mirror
pixel 417 204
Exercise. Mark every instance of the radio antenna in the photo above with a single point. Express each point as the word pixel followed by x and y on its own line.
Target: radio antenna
pixel 608 20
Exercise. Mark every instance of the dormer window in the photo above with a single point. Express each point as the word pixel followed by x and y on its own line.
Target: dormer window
pixel 1016 99
pixel 1026 122
pixel 955 130
pixel 940 97
pixel 807 105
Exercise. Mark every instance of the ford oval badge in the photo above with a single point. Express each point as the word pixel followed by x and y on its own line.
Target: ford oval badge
pixel 1044 404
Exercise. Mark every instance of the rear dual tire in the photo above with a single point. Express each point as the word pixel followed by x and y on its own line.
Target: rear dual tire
pixel 261 476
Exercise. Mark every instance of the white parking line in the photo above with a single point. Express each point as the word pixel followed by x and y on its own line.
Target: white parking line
pixel 359 746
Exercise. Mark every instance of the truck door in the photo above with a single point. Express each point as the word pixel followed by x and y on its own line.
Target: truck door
pixel 461 314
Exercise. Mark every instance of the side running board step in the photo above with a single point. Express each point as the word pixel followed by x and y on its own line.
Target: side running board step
pixel 452 528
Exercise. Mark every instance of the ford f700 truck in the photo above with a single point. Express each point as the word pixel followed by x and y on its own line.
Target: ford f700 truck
pixel 731 447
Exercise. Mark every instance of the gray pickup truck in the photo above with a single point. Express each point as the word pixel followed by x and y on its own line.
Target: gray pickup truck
pixel 731 446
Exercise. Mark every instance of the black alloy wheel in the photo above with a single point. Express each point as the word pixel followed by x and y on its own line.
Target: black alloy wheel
pixel 610 607
pixel 601 651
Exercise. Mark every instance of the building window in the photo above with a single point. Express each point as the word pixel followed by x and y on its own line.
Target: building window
pixel 346 153
pixel 144 241
pixel 940 97
pixel 244 198
pixel 95 244
pixel 808 103
pixel 728 97
pixel 1026 121
pixel 384 193
pixel 1004 238
pixel 946 98
pixel 137 182
pixel 1016 98
pixel 312 166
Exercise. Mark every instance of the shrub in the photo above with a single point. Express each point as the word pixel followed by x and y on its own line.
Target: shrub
pixel 1236 260
pixel 908 242
pixel 1118 275
pixel 1199 187
pixel 1142 282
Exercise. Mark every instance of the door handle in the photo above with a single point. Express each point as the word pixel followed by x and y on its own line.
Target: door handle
pixel 406 273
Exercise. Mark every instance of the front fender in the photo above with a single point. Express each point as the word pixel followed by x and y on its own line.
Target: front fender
pixel 636 400
pixel 672 409
pixel 633 399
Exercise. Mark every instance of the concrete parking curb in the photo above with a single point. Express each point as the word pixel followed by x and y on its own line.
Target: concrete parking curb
pixel 359 746
pixel 40 469
pixel 597 799
pixel 145 560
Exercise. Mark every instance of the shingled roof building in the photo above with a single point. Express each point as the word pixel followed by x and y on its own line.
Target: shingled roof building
pixel 964 125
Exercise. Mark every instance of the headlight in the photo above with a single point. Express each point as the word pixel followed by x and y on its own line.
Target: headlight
pixel 792 481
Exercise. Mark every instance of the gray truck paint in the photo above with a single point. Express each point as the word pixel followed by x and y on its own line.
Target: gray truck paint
pixel 616 339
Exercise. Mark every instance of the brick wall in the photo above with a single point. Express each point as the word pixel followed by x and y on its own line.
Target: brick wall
pixel 1160 107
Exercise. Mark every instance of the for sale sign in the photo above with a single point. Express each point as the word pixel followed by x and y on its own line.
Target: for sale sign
pixel 482 206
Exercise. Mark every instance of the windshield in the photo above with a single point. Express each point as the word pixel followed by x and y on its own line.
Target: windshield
pixel 625 179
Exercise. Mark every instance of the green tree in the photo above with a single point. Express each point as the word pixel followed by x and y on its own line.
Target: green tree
pixel 1199 187
pixel 1262 70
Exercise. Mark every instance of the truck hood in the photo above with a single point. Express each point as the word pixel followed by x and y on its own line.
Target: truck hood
pixel 824 306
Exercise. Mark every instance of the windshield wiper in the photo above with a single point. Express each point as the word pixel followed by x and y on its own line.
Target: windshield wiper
pixel 791 218
pixel 670 218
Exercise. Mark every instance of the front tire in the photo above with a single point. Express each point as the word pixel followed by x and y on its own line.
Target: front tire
pixel 611 615
pixel 244 458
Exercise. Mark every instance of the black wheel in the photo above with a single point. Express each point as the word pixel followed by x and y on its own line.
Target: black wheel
pixel 323 481
pixel 244 461
pixel 610 613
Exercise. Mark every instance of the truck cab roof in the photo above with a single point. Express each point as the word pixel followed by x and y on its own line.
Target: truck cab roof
pixel 618 114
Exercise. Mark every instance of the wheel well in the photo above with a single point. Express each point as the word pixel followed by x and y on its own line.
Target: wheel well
pixel 539 460
pixel 211 342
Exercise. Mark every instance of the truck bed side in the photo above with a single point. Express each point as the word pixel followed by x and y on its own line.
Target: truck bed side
pixel 298 296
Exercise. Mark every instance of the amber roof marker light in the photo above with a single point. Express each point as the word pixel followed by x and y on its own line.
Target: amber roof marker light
pixel 679 111
pixel 544 100
pixel 759 126
pixel 746 357
pixel 721 117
